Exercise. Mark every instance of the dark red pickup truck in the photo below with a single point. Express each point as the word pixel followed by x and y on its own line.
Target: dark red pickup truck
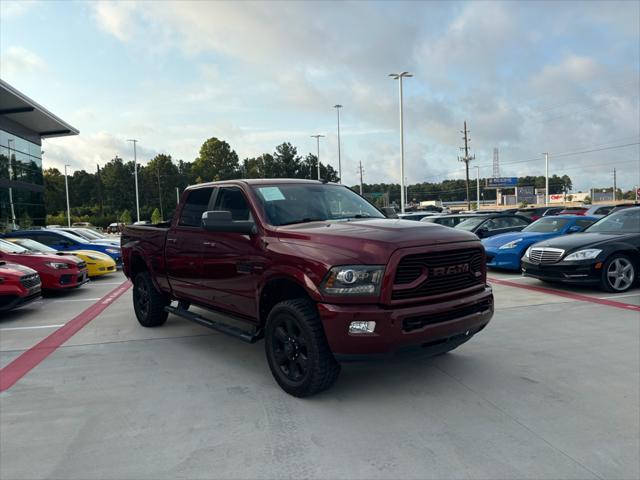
pixel 312 268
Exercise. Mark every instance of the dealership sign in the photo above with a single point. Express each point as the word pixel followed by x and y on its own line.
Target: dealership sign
pixel 502 182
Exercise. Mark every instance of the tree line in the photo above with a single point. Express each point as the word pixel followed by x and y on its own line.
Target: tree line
pixel 108 194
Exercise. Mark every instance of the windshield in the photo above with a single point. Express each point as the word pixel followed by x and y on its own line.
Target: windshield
pixel 8 247
pixel 546 225
pixel 470 223
pixel 299 203
pixel 78 233
pixel 32 245
pixel 624 221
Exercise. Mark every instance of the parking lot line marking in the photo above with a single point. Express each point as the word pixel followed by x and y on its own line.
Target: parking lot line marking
pixel 573 296
pixel 30 359
pixel 78 300
pixel 30 328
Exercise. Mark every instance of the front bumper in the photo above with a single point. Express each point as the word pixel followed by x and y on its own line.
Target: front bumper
pixel 426 329
pixel 507 259
pixel 584 272
pixel 65 281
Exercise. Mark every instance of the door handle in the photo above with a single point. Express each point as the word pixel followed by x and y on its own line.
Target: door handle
pixel 172 240
pixel 209 244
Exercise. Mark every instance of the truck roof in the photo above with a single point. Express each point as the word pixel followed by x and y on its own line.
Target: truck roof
pixel 262 181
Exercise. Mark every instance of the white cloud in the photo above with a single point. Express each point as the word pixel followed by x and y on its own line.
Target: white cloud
pixel 116 18
pixel 20 61
pixel 13 9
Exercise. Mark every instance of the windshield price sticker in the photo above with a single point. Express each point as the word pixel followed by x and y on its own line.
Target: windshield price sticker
pixel 271 194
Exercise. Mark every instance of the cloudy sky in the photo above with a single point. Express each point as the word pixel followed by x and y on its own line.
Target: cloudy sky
pixel 528 77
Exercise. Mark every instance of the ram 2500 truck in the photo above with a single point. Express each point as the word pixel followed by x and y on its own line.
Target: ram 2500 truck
pixel 312 268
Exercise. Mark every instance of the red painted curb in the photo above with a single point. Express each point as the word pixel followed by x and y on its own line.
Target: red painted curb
pixel 30 359
pixel 572 296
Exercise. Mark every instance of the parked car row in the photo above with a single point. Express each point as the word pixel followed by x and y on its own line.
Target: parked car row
pixel 574 249
pixel 36 261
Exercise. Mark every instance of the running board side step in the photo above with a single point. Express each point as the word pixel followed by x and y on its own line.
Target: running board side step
pixel 236 332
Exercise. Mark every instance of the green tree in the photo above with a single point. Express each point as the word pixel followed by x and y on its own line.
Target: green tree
pixel 125 218
pixel 156 217
pixel 217 161
pixel 54 191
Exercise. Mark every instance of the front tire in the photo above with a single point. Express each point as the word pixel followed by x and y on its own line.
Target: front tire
pixel 148 302
pixel 297 350
pixel 618 273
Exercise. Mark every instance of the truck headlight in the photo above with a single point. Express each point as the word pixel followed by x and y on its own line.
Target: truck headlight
pixel 511 244
pixel 526 254
pixel 58 265
pixel 353 280
pixel 586 254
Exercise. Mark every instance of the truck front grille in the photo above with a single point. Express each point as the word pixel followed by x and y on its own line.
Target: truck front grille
pixel 30 281
pixel 545 255
pixel 442 273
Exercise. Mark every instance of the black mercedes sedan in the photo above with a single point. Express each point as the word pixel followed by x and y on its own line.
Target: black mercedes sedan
pixel 606 254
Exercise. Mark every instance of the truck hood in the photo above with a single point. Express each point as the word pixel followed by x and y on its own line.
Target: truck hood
pixel 369 241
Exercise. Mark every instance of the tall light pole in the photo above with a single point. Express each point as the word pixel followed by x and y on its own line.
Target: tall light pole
pixel 318 137
pixel 546 179
pixel 338 107
pixel 135 174
pixel 399 77
pixel 66 187
pixel 477 187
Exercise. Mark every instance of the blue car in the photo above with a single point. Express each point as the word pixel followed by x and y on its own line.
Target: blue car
pixel 61 241
pixel 505 251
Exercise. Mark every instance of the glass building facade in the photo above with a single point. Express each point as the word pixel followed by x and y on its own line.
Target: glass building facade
pixel 23 125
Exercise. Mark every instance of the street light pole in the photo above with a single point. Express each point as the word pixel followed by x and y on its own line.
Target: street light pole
pixel 400 76
pixel 477 187
pixel 318 137
pixel 135 174
pixel 66 187
pixel 338 107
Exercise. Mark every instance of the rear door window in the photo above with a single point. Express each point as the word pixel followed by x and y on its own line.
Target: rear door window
pixel 196 204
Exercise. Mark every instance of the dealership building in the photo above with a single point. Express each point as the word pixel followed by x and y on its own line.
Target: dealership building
pixel 23 125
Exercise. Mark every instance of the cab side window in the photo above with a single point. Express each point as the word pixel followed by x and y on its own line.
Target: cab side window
pixel 233 200
pixel 196 204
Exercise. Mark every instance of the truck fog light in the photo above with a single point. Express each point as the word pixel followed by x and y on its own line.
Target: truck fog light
pixel 362 327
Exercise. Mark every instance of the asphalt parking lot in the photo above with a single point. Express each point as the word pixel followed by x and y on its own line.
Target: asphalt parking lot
pixel 549 390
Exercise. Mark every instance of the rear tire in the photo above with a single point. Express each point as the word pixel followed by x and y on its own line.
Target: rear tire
pixel 148 303
pixel 619 273
pixel 297 350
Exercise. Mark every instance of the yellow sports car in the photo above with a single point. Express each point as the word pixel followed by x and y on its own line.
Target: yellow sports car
pixel 97 263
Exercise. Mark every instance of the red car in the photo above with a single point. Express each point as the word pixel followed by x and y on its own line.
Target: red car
pixel 574 211
pixel 57 272
pixel 18 286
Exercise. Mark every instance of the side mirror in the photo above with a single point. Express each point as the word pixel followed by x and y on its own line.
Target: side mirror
pixel 574 229
pixel 389 212
pixel 222 221
pixel 482 231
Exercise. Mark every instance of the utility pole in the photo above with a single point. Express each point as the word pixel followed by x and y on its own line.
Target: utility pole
pixel 399 77
pixel 466 160
pixel 615 186
pixel 135 173
pixel 338 107
pixel 361 172
pixel 66 187
pixel 318 137
pixel 477 187
pixel 546 179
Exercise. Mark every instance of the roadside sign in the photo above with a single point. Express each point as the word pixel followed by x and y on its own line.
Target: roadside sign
pixel 502 182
